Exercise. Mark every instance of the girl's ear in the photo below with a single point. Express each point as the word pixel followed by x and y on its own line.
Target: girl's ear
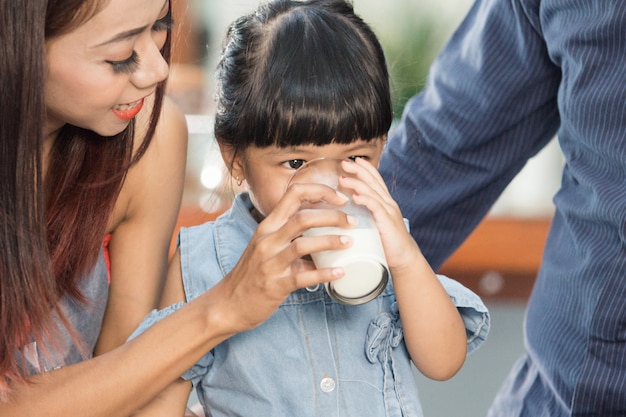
pixel 232 160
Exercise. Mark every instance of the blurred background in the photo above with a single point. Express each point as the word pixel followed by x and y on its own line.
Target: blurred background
pixel 498 261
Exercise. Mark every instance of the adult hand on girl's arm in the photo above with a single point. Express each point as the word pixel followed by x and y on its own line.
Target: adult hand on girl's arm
pixel 119 382
pixel 272 265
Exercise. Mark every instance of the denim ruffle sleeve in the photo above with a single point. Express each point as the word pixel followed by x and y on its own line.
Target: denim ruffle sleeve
pixel 154 317
pixel 384 333
pixel 200 368
pixel 473 311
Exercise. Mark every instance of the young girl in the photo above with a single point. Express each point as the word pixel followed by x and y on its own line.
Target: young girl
pixel 298 81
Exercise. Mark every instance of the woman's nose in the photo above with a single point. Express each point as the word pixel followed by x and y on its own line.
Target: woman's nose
pixel 152 68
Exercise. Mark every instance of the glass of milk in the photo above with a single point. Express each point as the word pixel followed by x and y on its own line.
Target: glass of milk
pixel 364 263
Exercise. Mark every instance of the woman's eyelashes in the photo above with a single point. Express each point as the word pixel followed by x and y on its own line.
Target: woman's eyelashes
pixel 130 64
pixel 127 65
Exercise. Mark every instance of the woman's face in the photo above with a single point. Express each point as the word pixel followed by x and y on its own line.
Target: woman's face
pixel 99 74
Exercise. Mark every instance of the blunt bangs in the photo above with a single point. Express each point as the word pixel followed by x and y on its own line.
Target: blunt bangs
pixel 312 80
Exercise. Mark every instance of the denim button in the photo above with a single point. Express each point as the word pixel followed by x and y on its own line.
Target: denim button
pixel 313 288
pixel 327 384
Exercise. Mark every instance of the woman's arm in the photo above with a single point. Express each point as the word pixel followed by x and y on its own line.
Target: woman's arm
pixel 172 401
pixel 119 382
pixel 142 226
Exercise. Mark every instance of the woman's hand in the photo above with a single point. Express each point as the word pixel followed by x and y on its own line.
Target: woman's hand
pixel 272 266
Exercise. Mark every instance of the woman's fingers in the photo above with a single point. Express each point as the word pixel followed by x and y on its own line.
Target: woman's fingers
pixel 273 264
pixel 281 252
pixel 297 196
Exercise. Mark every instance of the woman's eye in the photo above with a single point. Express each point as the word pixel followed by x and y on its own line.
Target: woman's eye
pixel 294 163
pixel 128 65
pixel 164 24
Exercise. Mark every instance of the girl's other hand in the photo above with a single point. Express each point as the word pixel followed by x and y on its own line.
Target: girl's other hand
pixel 370 191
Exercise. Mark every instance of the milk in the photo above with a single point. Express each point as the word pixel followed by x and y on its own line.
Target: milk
pixel 366 272
pixel 364 263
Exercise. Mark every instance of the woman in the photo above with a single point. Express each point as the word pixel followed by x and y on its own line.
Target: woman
pixel 84 158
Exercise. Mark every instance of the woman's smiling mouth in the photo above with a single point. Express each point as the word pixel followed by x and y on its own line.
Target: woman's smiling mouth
pixel 127 111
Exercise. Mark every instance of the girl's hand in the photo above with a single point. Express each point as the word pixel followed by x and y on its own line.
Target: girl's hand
pixel 433 329
pixel 272 267
pixel 370 191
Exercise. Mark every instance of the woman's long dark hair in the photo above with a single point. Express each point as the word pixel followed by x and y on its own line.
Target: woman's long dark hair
pixel 52 231
pixel 301 72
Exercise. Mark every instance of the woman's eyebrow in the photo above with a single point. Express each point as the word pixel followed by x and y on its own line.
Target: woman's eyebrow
pixel 128 33
pixel 123 36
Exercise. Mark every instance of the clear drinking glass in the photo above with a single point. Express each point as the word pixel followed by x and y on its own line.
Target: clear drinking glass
pixel 366 270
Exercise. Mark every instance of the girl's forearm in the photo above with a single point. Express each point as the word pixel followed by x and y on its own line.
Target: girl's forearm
pixel 433 329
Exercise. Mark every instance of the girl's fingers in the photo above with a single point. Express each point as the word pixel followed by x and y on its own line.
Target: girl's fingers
pixel 369 188
pixel 365 179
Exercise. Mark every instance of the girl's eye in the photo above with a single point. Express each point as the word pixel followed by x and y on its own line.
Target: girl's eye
pixel 164 24
pixel 128 65
pixel 294 163
pixel 353 158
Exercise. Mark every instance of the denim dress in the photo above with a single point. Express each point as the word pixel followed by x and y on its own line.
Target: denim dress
pixel 86 320
pixel 313 356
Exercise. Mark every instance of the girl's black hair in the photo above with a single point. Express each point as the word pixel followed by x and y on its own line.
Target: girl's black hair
pixel 301 72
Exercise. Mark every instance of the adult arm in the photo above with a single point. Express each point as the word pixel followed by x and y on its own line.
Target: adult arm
pixel 118 382
pixel 142 226
pixel 489 105
pixel 173 400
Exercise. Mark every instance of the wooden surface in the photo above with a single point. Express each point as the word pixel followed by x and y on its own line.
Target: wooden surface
pixel 190 216
pixel 500 259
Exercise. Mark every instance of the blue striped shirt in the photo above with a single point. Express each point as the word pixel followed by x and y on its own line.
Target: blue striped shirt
pixel 515 73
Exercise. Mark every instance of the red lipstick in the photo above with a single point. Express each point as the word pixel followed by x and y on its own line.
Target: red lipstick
pixel 128 112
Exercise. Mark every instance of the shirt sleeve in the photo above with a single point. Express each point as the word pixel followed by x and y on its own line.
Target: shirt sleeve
pixel 473 311
pixel 194 374
pixel 488 106
pixel 154 317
